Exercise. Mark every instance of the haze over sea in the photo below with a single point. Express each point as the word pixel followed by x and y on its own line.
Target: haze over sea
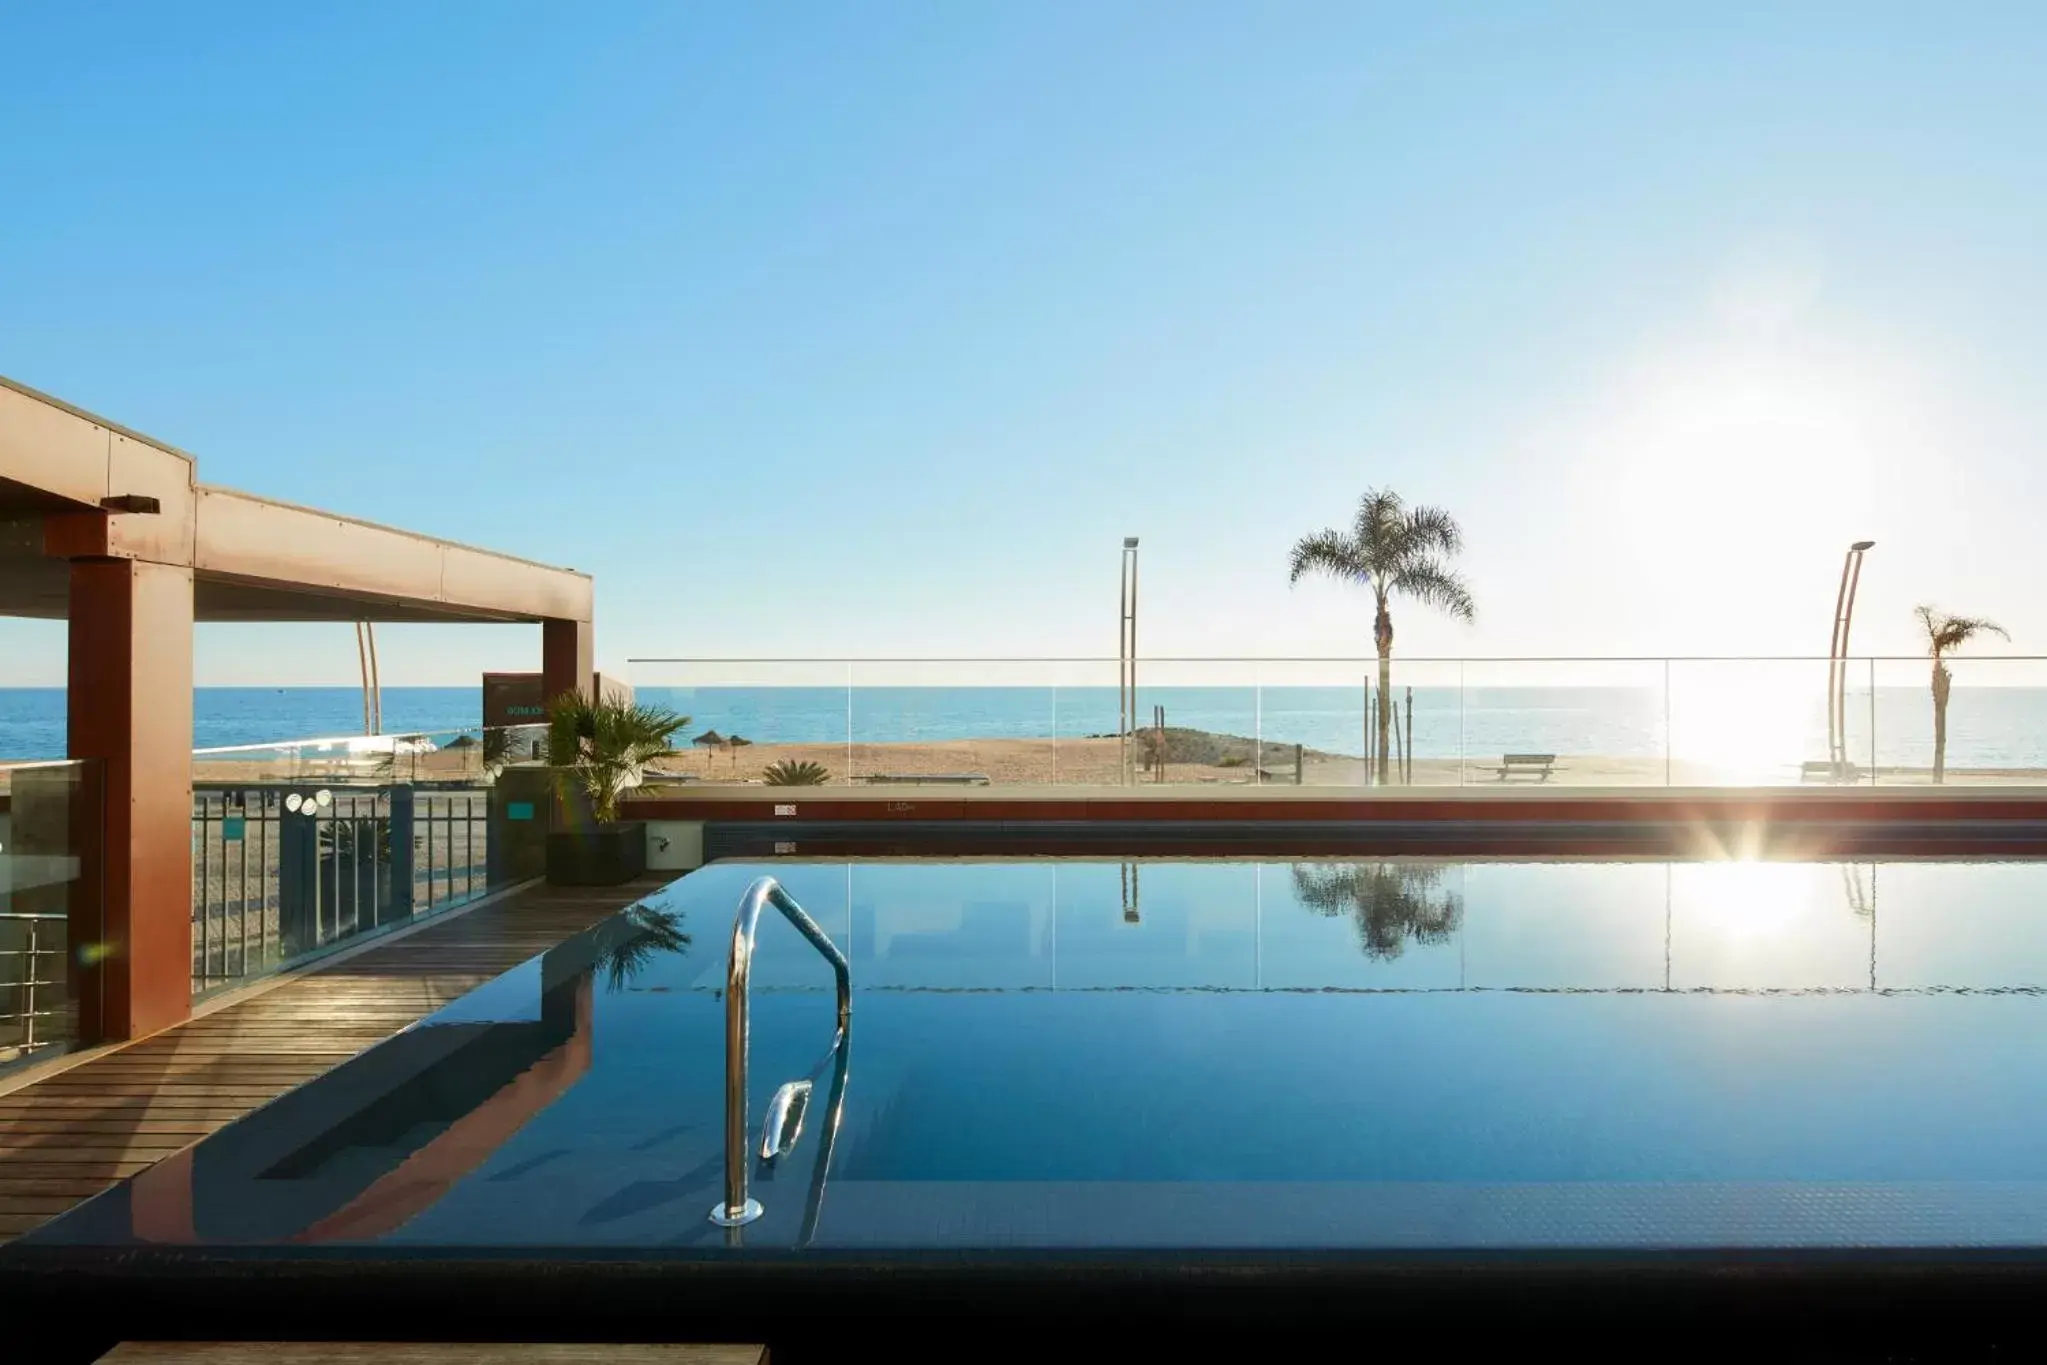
pixel 1989 727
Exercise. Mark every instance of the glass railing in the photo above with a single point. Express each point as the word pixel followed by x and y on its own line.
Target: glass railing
pixel 303 847
pixel 1492 723
pixel 51 819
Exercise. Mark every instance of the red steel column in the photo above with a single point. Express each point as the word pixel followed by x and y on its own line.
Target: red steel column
pixel 131 709
pixel 568 658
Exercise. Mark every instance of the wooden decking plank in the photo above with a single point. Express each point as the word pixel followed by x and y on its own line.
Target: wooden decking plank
pixel 101 1171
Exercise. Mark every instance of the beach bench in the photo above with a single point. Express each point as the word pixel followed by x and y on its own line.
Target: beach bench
pixel 1820 770
pixel 1538 764
pixel 955 779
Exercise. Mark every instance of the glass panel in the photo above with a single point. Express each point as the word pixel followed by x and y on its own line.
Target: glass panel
pixel 1570 722
pixel 1996 721
pixel 955 723
pixel 1761 722
pixel 50 828
pixel 745 715
pixel 1198 723
pixel 1084 723
pixel 1330 709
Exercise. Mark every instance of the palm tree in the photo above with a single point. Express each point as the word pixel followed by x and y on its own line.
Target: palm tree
pixel 601 747
pixel 1391 902
pixel 1945 634
pixel 1395 550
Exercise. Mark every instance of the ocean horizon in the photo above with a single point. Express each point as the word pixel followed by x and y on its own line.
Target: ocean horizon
pixel 1989 727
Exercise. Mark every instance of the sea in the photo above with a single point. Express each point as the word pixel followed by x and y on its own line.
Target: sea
pixel 1988 727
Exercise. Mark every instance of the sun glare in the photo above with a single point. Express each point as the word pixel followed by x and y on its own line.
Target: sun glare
pixel 1745 899
pixel 1748 722
pixel 1730 471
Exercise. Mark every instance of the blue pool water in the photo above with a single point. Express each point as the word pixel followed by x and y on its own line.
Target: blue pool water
pixel 1060 1053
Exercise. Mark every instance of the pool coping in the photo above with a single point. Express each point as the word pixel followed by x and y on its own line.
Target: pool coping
pixel 1614 805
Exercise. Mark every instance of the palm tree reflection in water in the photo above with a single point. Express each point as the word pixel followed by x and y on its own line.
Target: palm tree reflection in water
pixel 628 941
pixel 1390 903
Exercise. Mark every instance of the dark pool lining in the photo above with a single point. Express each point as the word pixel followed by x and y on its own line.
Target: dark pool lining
pixel 821 1302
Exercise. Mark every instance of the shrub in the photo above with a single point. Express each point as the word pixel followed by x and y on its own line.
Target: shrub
pixel 789 773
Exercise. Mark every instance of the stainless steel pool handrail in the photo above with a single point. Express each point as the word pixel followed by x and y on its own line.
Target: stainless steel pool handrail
pixel 738 1208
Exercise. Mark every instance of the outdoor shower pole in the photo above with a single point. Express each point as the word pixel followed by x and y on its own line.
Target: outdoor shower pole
pixel 1847 620
pixel 362 660
pixel 1837 659
pixel 1122 668
pixel 1126 657
pixel 369 630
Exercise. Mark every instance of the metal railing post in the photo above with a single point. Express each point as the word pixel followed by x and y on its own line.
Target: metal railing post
pixel 298 876
pixel 401 854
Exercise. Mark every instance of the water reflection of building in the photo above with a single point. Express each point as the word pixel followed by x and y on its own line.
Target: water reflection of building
pixel 1391 924
pixel 382 1137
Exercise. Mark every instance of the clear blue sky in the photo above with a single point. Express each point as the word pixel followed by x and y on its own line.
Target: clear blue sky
pixel 826 328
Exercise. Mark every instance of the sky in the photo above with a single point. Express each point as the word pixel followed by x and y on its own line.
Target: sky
pixel 824 330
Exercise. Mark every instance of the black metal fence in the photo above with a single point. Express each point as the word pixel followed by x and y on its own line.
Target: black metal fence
pixel 280 870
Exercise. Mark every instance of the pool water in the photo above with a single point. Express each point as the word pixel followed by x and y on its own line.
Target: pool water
pixel 1063 1053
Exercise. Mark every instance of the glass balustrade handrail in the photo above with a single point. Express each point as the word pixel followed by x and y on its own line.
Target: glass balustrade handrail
pixel 700 660
pixel 365 744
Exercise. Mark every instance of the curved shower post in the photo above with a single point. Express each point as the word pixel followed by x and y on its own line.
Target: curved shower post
pixel 785 1119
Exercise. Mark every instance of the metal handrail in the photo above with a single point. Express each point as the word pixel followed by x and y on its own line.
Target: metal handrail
pixel 737 1208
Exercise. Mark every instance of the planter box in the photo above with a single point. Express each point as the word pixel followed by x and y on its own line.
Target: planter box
pixel 597 855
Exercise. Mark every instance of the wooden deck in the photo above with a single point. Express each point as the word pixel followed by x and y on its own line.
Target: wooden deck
pixel 71 1134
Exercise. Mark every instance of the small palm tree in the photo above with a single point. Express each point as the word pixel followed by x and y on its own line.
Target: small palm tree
pixel 601 748
pixel 791 773
pixel 1390 902
pixel 1394 550
pixel 1945 634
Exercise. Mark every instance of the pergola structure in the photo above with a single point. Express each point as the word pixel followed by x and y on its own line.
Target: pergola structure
pixel 113 532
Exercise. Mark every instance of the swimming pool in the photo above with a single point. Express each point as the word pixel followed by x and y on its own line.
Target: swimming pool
pixel 1048 1054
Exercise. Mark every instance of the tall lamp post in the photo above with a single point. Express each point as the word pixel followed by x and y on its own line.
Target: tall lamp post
pixel 1126 657
pixel 1837 661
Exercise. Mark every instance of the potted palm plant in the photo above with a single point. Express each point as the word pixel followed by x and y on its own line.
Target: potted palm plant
pixel 599 750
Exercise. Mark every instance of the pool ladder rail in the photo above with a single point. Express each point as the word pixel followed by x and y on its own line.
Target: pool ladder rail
pixel 784 1122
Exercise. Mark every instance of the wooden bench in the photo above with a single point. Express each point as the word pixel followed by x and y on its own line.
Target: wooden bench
pixel 1539 764
pixel 956 779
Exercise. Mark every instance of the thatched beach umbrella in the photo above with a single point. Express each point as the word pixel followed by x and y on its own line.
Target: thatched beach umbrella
pixel 735 744
pixel 708 740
